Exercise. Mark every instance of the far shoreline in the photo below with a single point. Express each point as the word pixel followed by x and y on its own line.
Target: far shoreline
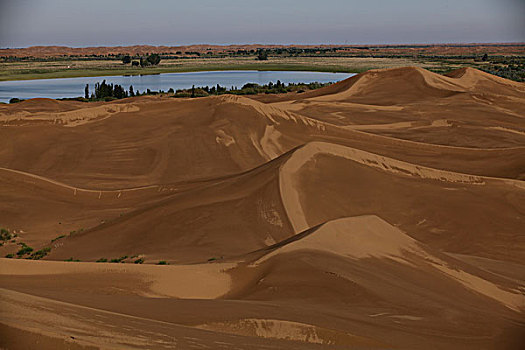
pixel 77 73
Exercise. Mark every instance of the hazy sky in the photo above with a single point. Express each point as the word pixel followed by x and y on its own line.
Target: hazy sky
pixel 172 22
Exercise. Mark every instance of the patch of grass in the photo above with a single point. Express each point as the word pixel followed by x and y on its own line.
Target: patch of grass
pixel 76 231
pixel 56 239
pixel 122 258
pixel 40 253
pixel 71 259
pixel 162 262
pixel 5 235
pixel 102 260
pixel 24 250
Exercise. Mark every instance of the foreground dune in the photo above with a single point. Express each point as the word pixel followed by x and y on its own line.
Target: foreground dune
pixel 384 211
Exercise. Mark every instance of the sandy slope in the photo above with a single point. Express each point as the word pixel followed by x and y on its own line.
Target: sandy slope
pixel 453 110
pixel 385 211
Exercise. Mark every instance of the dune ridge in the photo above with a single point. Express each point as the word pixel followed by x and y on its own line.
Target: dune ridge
pixel 371 237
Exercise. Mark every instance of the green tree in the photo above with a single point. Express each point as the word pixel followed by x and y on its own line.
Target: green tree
pixel 86 92
pixel 153 59
pixel 262 55
pixel 126 59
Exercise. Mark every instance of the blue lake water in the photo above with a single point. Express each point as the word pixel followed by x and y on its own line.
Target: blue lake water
pixel 74 87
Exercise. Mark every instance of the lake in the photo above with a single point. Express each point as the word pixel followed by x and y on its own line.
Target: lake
pixel 74 87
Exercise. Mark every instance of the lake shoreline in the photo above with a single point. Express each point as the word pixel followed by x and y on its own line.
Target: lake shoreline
pixel 73 87
pixel 74 73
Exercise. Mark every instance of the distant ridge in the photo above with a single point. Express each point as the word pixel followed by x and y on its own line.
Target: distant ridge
pixel 448 49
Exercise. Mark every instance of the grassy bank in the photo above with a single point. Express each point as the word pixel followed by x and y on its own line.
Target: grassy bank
pixel 71 68
pixel 74 73
pixel 29 70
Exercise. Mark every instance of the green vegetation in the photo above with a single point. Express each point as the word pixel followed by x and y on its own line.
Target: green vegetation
pixel 153 59
pixel 73 232
pixel 262 55
pixel 25 249
pixel 59 237
pixel 15 100
pixel 102 260
pixel 139 261
pixel 506 67
pixel 10 256
pixel 162 262
pixel 126 59
pixel 250 89
pixel 118 260
pixel 107 92
pixel 71 259
pixel 40 253
pixel 5 235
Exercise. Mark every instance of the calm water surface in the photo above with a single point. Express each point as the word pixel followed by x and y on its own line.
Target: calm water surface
pixel 74 87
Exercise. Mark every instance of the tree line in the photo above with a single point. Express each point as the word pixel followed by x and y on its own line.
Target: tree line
pixel 150 60
pixel 250 89
pixel 106 92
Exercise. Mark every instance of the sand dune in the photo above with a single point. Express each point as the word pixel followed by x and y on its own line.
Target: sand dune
pixel 371 237
pixel 384 211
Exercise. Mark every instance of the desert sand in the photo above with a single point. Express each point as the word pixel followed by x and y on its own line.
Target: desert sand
pixel 386 211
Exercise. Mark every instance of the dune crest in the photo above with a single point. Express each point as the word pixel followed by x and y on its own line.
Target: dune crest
pixel 70 118
pixel 355 237
pixel 311 150
pixel 371 237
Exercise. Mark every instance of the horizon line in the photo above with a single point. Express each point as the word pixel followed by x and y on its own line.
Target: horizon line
pixel 277 44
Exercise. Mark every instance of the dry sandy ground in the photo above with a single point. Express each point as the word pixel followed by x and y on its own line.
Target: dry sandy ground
pixel 384 212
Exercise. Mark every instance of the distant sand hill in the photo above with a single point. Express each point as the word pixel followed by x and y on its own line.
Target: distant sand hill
pixel 386 211
pixel 441 49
